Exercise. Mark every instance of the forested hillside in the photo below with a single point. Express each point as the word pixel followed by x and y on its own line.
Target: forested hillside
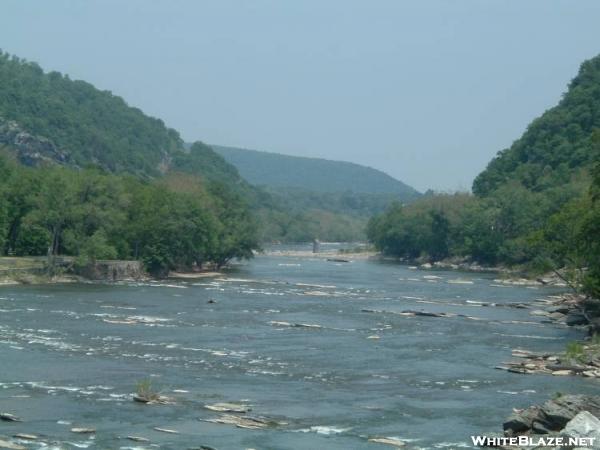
pixel 536 205
pixel 47 118
pixel 274 170
pixel 556 145
pixel 315 198
pixel 79 125
pixel 107 181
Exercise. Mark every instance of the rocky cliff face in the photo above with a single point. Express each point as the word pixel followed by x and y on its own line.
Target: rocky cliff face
pixel 31 150
pixel 114 271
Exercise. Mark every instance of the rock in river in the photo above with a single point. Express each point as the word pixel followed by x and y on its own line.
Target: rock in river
pixel 10 445
pixel 138 439
pixel 576 318
pixel 229 407
pixel 252 423
pixel 389 441
pixel 584 425
pixel 83 430
pixel 552 415
pixel 28 437
pixel 6 417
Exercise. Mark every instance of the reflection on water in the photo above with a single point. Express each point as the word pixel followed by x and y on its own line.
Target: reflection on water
pixel 328 354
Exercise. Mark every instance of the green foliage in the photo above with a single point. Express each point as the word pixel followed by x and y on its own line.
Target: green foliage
pixel 93 215
pixel 273 170
pixel 555 144
pixel 95 128
pixel 99 212
pixel 92 126
pixel 430 228
pixel 575 351
pixel 537 204
pixel 300 199
pixel 144 390
pixel 202 160
pixel 348 203
pixel 96 247
pixel 304 226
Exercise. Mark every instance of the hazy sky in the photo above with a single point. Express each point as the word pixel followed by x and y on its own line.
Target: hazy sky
pixel 425 90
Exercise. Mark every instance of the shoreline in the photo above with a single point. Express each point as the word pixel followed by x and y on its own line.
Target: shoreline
pixel 40 280
pixel 333 254
pixel 512 277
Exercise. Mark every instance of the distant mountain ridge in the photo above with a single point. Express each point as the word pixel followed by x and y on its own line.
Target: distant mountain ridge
pixel 275 170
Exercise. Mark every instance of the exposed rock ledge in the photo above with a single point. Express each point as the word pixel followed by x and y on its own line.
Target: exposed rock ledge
pixel 114 271
pixel 31 150
pixel 567 416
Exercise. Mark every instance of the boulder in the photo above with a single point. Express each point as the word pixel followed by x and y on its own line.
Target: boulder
pixel 584 425
pixel 552 416
pixel 7 417
pixel 557 413
pixel 575 318
pixel 561 309
pixel 520 422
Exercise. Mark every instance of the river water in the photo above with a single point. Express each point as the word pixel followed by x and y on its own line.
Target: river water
pixel 71 355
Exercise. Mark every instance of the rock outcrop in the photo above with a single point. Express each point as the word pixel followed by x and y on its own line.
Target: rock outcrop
pixel 114 271
pixel 584 425
pixel 552 416
pixel 31 150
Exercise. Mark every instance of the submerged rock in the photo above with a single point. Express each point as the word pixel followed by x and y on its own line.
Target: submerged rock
pixel 229 407
pixel 294 325
pixel 389 441
pixel 27 437
pixel 166 430
pixel 83 430
pixel 137 439
pixel 7 417
pixel 575 318
pixel 252 423
pixel 153 399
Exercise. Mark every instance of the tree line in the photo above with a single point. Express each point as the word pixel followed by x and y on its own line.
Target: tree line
pixel 536 205
pixel 174 222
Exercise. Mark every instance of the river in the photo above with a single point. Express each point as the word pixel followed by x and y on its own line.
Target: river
pixel 71 355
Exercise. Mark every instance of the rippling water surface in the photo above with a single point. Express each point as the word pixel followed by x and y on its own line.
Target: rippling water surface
pixel 289 336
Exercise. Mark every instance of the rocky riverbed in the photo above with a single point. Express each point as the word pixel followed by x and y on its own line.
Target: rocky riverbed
pixel 284 352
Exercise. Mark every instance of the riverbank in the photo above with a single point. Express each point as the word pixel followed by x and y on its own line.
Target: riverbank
pixel 330 254
pixel 507 276
pixel 564 416
pixel 35 270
